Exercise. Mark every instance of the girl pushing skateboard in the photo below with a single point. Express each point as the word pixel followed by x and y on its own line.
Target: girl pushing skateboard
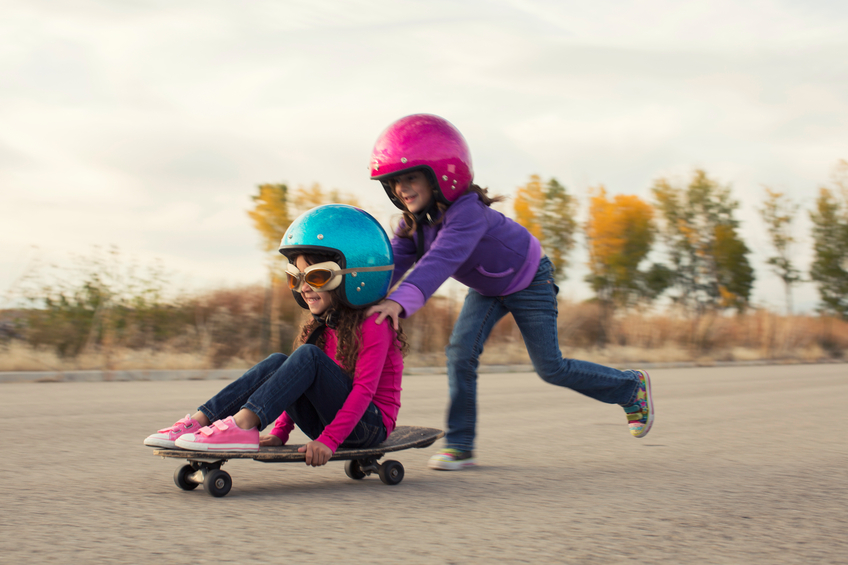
pixel 450 230
pixel 342 385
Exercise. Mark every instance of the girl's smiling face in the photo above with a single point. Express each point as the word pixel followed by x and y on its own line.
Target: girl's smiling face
pixel 413 189
pixel 318 302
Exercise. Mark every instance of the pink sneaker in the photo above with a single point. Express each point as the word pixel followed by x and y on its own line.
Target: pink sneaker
pixel 166 436
pixel 223 435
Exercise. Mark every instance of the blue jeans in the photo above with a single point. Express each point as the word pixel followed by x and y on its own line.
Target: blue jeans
pixel 535 312
pixel 307 385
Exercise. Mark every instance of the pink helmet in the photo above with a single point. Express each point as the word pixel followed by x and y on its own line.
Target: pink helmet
pixel 424 142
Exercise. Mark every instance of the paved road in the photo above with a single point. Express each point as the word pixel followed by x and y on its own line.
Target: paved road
pixel 744 465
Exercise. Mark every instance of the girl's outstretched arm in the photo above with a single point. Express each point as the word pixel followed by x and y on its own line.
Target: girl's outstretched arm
pixel 387 309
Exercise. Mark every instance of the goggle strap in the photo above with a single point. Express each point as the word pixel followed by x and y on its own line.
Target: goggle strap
pixel 365 269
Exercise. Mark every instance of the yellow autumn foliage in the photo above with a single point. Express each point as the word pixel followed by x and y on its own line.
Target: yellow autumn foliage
pixel 547 211
pixel 270 214
pixel 619 233
pixel 305 199
pixel 528 204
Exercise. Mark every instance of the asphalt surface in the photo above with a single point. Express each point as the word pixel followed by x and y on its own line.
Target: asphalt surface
pixel 744 465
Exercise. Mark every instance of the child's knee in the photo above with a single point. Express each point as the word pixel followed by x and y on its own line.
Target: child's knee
pixel 549 372
pixel 461 356
pixel 546 376
pixel 272 362
pixel 306 350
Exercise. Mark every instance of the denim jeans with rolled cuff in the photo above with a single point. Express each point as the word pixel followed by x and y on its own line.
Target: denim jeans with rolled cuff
pixel 535 312
pixel 308 385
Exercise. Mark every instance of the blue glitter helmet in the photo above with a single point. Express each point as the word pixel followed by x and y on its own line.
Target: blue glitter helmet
pixel 355 241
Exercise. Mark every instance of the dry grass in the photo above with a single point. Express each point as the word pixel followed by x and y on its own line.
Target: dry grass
pixel 634 338
pixel 19 356
pixel 226 336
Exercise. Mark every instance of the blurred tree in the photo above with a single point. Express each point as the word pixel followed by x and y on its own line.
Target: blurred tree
pixel 709 259
pixel 529 201
pixel 619 234
pixel 830 243
pixel 270 215
pixel 548 211
pixel 307 198
pixel 100 304
pixel 271 218
pixel 778 213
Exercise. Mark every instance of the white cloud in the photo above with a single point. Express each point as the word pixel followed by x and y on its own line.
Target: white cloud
pixel 148 125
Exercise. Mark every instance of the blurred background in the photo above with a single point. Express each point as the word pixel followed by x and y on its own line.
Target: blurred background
pixel 683 163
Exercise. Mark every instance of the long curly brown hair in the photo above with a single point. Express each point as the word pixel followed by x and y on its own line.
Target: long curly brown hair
pixel 410 224
pixel 347 321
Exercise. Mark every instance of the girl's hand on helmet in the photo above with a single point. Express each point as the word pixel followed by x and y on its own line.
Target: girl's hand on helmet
pixel 387 309
pixel 317 453
pixel 269 440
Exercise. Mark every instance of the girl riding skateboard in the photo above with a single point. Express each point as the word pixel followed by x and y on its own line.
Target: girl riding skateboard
pixel 342 385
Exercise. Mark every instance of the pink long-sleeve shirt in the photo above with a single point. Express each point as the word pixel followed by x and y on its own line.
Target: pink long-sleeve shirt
pixel 379 370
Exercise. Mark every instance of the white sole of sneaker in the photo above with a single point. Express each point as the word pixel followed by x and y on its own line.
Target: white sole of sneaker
pixel 451 465
pixel 650 399
pixel 196 446
pixel 159 442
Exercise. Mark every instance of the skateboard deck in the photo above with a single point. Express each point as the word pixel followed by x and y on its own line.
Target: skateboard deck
pixel 204 467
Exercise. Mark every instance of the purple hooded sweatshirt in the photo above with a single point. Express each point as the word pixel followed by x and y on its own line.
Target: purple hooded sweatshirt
pixel 474 244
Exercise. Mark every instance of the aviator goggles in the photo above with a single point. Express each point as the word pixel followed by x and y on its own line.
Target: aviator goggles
pixel 323 277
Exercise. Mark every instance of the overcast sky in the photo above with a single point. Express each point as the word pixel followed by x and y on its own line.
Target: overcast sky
pixel 148 124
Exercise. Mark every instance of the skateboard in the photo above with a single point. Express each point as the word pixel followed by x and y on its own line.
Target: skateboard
pixel 204 467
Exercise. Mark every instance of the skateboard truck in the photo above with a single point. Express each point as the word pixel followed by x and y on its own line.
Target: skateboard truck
pixel 390 472
pixel 204 472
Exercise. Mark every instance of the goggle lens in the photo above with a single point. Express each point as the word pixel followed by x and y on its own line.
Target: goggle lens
pixel 318 277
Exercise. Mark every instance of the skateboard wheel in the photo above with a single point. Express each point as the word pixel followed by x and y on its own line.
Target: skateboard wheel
pixel 391 472
pixel 217 482
pixel 181 477
pixel 354 470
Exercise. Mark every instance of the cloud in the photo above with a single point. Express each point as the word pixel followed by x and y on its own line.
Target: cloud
pixel 148 125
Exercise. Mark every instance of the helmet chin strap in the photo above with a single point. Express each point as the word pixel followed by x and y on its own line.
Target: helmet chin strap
pixel 427 216
pixel 328 319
